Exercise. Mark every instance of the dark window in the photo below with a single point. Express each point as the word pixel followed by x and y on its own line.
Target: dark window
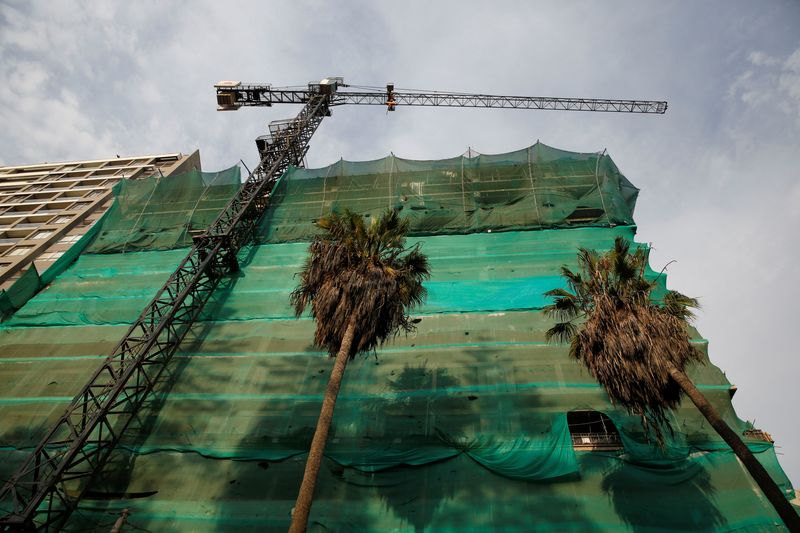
pixel 592 430
pixel 757 434
pixel 585 214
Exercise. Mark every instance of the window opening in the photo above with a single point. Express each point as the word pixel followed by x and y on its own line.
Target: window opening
pixel 21 250
pixel 50 256
pixel 42 234
pixel 593 430
pixel 585 214
pixel 70 239
pixel 758 434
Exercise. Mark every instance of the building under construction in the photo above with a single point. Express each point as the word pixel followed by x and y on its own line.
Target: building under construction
pixel 201 416
pixel 473 423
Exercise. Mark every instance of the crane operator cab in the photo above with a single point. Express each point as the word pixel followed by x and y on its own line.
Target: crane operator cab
pixel 328 85
pixel 226 95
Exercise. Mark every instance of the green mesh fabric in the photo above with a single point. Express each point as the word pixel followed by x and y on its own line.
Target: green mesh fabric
pixel 461 426
pixel 155 213
pixel 19 292
pixel 31 282
pixel 161 212
pixel 537 187
pixel 515 270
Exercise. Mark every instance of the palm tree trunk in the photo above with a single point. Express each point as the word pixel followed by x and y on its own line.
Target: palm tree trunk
pixel 302 506
pixel 755 468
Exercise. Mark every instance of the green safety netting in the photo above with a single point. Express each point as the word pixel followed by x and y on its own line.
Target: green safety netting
pixel 515 271
pixel 461 426
pixel 19 292
pixel 22 290
pixel 155 213
pixel 538 187
pixel 161 212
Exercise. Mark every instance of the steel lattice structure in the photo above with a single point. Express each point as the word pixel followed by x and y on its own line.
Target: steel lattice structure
pixel 233 95
pixel 48 486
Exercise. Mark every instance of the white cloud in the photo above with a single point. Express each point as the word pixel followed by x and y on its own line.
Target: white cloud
pixel 762 59
pixel 770 85
pixel 789 81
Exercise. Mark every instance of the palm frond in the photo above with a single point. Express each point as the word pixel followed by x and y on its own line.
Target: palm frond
pixel 362 271
pixel 680 306
pixel 559 293
pixel 621 246
pixel 625 265
pixel 561 332
pixel 626 340
pixel 573 277
pixel 587 259
pixel 564 307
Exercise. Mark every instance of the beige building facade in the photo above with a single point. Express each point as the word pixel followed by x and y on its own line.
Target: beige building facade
pixel 45 208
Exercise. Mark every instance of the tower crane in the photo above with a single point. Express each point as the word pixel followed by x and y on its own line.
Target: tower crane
pixel 231 95
pixel 48 485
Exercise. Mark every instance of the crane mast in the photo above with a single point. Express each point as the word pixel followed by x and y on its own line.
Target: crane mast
pixel 47 487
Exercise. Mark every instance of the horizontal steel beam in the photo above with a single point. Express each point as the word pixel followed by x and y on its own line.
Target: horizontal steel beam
pixel 266 95
pixel 504 102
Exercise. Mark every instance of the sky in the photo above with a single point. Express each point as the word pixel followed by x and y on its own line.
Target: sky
pixel 720 193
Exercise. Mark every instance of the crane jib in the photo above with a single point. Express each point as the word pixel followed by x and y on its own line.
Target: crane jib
pixel 236 95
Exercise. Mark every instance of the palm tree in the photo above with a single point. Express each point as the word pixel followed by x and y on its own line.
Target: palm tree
pixel 360 281
pixel 638 350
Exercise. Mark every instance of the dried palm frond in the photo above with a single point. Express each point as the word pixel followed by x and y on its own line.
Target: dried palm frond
pixel 364 272
pixel 626 340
